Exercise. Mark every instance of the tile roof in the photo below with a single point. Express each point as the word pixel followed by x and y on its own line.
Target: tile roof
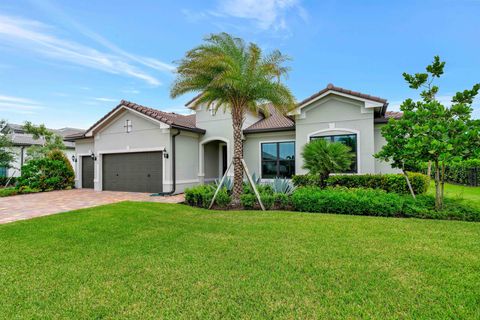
pixel 275 122
pixel 20 137
pixel 389 115
pixel 342 90
pixel 175 120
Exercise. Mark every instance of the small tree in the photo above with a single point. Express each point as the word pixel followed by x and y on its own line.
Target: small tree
pixel 321 158
pixel 53 172
pixel 430 131
pixel 6 154
pixel 49 140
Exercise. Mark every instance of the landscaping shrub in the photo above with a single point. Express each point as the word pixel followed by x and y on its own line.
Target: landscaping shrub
pixel 377 202
pixel 199 196
pixel 223 199
pixel 388 182
pixel 248 200
pixel 53 172
pixel 7 192
pixel 267 200
pixel 347 201
pixel 306 180
pixel 3 181
pixel 281 201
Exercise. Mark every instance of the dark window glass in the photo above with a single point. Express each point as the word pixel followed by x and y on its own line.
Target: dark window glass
pixel 349 140
pixel 3 171
pixel 278 160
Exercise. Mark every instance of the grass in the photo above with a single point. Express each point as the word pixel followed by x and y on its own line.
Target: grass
pixel 147 260
pixel 467 195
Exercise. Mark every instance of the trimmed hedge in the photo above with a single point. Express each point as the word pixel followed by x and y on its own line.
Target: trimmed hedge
pixel 375 202
pixel 347 201
pixel 466 172
pixel 199 196
pixel 389 182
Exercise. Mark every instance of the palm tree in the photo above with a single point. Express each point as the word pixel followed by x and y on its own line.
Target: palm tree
pixel 234 76
pixel 321 158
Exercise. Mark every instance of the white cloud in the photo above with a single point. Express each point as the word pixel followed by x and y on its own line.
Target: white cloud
pixel 34 36
pixel 105 99
pixel 264 14
pixel 267 14
pixel 10 104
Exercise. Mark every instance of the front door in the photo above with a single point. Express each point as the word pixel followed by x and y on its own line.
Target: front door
pixel 224 159
pixel 87 172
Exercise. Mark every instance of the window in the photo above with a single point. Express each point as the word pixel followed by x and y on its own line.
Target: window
pixel 128 126
pixel 349 140
pixel 3 171
pixel 278 159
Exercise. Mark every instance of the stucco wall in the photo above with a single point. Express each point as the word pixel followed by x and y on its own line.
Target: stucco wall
pixel 83 147
pixel 252 147
pixel 381 166
pixel 219 128
pixel 187 146
pixel 337 115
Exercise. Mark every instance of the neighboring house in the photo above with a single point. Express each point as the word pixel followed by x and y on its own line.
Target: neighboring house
pixel 131 148
pixel 22 140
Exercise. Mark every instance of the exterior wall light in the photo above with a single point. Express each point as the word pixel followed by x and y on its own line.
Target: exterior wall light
pixel 94 158
pixel 74 159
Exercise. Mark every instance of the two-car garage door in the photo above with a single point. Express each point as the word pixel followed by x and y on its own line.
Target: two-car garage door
pixel 135 172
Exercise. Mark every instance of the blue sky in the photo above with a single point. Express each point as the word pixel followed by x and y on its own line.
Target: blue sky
pixel 66 63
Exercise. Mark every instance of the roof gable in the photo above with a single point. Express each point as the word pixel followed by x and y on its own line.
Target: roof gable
pixel 172 119
pixel 369 100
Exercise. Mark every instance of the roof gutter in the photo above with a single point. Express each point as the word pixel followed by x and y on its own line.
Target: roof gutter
pixel 174 174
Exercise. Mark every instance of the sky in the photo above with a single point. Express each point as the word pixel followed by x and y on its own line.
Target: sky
pixel 67 63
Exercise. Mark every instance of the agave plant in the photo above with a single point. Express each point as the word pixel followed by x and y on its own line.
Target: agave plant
pixel 227 183
pixel 256 180
pixel 284 186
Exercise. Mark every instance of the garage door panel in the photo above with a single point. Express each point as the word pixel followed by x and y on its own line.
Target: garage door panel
pixel 136 172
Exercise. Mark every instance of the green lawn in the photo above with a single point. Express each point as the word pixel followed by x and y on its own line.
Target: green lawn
pixel 470 195
pixel 147 260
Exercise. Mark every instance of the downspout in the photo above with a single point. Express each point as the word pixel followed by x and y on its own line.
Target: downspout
pixel 174 174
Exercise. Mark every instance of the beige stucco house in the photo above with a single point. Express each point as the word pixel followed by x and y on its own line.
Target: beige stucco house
pixel 136 148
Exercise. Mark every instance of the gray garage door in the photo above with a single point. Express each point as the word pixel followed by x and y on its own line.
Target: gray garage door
pixel 87 172
pixel 135 172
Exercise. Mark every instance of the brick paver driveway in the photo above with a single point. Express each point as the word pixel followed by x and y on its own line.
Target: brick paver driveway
pixel 45 203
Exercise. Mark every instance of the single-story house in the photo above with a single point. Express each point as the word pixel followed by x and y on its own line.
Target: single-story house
pixel 137 148
pixel 22 140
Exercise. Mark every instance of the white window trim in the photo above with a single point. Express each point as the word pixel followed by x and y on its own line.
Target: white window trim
pixel 260 156
pixel 323 132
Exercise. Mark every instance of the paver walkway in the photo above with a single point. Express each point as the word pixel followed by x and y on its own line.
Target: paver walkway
pixel 29 206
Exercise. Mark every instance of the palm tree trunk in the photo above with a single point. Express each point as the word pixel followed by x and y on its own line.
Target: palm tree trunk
pixel 237 121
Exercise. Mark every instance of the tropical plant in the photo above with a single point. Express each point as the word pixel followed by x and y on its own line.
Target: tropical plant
pixel 235 76
pixel 48 139
pixel 284 186
pixel 431 132
pixel 227 183
pixel 321 157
